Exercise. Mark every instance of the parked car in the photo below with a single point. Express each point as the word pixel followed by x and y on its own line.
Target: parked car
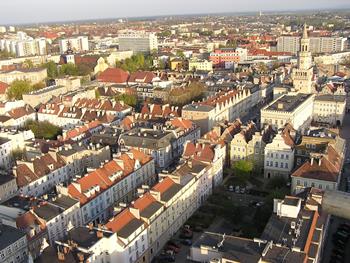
pixel 173 248
pixel 186 242
pixel 166 257
pixel 231 188
pixel 237 190
pixel 186 234
pixel 174 243
pixel 242 191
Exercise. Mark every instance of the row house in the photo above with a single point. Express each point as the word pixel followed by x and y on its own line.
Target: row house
pixel 322 171
pixel 5 153
pixel 208 154
pixel 17 117
pixel 114 182
pixel 17 137
pixel 224 106
pixel 159 213
pixel 249 144
pixel 81 133
pixel 40 175
pixel 223 132
pixel 84 110
pixel 279 154
pixel 131 234
pixel 83 244
pixel 165 143
pixel 329 109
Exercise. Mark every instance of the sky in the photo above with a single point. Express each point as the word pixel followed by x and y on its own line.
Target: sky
pixel 32 11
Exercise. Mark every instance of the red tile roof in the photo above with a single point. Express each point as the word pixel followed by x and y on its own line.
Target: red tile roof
pixel 3 87
pixel 113 75
pixel 164 185
pixel 120 221
pixel 143 202
pixel 142 77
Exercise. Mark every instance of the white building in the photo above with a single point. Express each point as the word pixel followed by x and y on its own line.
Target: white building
pixel 76 44
pixel 138 41
pixel 13 245
pixel 60 215
pixel 5 153
pixel 329 109
pixel 279 154
pixel 114 182
pixel 293 109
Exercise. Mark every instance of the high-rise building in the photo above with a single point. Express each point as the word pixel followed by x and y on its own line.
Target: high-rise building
pixel 138 41
pixel 302 76
pixel 317 44
pixel 76 44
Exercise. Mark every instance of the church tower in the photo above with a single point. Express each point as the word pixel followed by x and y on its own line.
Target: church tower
pixel 303 75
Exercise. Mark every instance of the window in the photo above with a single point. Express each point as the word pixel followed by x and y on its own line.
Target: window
pixel 276 164
pixel 305 184
pixel 286 165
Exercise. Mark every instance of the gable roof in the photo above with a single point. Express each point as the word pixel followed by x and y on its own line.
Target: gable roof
pixel 113 75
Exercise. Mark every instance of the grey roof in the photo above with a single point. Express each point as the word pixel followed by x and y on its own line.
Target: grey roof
pixel 6 178
pixel 291 201
pixel 233 248
pixel 84 237
pixel 3 140
pixel 278 254
pixel 47 211
pixel 197 107
pixel 329 97
pixel 130 228
pixel 65 201
pixel 150 210
pixel 170 192
pixel 9 235
pixel 147 138
pixel 278 229
pixel 288 103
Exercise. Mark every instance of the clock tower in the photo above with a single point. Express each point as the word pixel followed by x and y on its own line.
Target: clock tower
pixel 303 75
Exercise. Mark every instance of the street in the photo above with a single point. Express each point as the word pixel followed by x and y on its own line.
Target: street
pixel 335 221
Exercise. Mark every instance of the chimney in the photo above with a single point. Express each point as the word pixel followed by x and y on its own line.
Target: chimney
pixel 80 257
pixel 99 234
pixel 312 161
pixel 319 162
pixel 91 226
pixel 60 256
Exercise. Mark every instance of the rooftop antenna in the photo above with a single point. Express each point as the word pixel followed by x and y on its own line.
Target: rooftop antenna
pixel 221 243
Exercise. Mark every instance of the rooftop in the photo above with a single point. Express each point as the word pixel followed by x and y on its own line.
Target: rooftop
pixel 9 235
pixel 329 97
pixel 288 103
pixel 84 237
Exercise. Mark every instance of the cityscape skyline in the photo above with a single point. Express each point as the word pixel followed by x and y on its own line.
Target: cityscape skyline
pixel 69 11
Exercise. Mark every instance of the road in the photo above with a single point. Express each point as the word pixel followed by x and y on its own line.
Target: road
pixel 335 221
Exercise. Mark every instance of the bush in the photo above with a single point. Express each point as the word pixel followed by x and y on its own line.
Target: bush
pixel 43 130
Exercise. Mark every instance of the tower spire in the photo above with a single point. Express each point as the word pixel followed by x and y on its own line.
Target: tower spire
pixel 305 32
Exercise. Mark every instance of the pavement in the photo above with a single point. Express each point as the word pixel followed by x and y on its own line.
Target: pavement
pixel 336 221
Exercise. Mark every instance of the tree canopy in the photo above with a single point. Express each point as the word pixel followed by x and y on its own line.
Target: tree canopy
pixel 5 55
pixel 242 169
pixel 43 130
pixel 182 96
pixel 345 62
pixel 20 87
pixel 128 99
pixel 135 63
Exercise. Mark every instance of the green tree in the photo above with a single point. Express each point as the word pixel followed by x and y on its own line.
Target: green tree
pixel 68 69
pixel 43 130
pixel 242 169
pixel 345 62
pixel 97 94
pixel 52 71
pixel 18 88
pixel 6 55
pixel 135 63
pixel 28 64
pixel 180 54
pixel 128 99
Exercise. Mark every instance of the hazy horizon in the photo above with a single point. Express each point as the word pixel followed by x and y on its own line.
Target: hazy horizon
pixel 36 11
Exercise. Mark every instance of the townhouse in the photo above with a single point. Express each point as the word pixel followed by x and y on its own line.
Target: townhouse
pixel 164 142
pixel 13 245
pixel 17 117
pixel 83 110
pixel 329 109
pixel 5 153
pixel 322 171
pixel 34 75
pixel 223 106
pixel 40 175
pixel 279 154
pixel 114 182
pixel 249 144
